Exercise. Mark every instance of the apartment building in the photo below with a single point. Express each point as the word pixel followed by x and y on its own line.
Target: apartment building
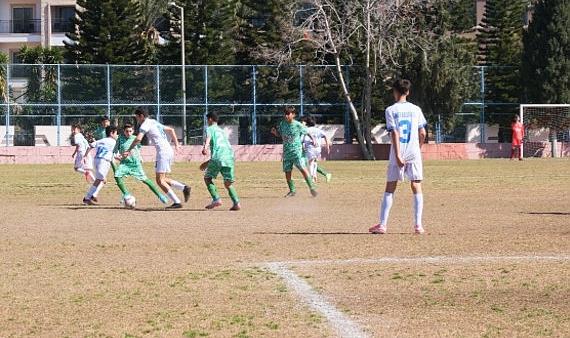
pixel 33 23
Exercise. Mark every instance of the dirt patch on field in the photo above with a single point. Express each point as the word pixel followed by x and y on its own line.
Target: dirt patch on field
pixel 494 261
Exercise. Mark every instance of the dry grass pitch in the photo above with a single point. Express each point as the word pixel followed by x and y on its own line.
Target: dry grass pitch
pixel 494 262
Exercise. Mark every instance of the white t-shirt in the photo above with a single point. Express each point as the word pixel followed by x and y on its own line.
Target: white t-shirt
pixel 79 140
pixel 407 119
pixel 313 151
pixel 156 135
pixel 104 148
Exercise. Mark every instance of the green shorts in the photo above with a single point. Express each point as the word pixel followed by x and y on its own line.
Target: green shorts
pixel 300 162
pixel 215 168
pixel 136 171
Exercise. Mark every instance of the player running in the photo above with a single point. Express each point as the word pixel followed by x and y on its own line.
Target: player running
pixel 156 133
pixel 221 161
pixel 132 164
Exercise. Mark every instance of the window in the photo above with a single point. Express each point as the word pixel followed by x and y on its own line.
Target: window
pixel 61 19
pixel 23 20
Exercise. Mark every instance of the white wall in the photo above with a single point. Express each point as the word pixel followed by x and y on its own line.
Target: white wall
pixel 473 133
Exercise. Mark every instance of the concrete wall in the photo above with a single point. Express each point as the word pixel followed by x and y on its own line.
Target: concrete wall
pixel 440 151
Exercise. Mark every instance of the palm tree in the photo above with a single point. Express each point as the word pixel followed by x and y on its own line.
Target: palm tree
pixel 3 77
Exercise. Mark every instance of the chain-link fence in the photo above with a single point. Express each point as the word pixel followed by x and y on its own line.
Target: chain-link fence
pixel 248 98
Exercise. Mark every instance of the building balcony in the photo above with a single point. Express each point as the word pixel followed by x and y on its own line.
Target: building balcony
pixel 20 26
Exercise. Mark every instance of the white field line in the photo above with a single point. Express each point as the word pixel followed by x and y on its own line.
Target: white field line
pixel 340 322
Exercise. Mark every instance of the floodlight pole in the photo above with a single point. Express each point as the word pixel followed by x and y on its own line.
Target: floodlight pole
pixel 183 57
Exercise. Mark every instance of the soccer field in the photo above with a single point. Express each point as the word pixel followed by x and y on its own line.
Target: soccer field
pixel 494 261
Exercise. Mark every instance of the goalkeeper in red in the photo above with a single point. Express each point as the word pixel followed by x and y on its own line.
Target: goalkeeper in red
pixel 221 161
pixel 518 133
pixel 406 124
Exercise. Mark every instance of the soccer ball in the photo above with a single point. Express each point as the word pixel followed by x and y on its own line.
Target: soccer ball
pixel 130 201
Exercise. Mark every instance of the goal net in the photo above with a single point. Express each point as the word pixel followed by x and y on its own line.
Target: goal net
pixel 547 130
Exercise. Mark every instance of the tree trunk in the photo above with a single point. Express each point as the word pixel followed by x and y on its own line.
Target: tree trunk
pixel 359 134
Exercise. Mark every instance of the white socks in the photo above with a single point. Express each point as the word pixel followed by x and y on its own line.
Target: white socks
pixel 385 207
pixel 173 196
pixel 388 200
pixel 418 208
pixel 176 185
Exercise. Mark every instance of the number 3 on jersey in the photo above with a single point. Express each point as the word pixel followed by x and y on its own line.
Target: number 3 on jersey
pixel 404 126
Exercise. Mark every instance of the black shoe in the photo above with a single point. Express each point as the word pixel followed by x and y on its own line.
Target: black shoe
pixel 88 202
pixel 175 206
pixel 186 192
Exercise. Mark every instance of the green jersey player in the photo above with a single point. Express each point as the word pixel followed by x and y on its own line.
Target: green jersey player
pixel 132 164
pixel 221 161
pixel 292 131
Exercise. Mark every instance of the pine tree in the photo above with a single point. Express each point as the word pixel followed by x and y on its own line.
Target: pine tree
pixel 546 58
pixel 500 48
pixel 441 80
pixel 107 31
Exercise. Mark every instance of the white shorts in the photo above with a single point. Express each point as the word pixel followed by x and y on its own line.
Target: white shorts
pixel 413 171
pixel 101 168
pixel 164 161
pixel 313 153
pixel 79 162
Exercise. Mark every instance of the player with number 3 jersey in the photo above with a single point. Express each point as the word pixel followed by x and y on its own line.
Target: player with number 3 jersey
pixel 406 124
pixel 404 120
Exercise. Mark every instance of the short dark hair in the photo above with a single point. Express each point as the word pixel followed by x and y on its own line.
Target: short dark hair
pixel 402 86
pixel 109 130
pixel 141 111
pixel 104 118
pixel 127 125
pixel 311 121
pixel 213 116
pixel 289 109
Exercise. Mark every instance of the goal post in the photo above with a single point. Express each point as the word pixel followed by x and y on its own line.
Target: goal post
pixel 547 130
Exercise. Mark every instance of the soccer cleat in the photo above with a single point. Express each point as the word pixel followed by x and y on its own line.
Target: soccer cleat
pixel 378 229
pixel 186 193
pixel 87 201
pixel 329 178
pixel 175 206
pixel 214 203
pixel 314 193
pixel 235 207
pixel 94 199
pixel 418 229
pixel 163 199
pixel 290 194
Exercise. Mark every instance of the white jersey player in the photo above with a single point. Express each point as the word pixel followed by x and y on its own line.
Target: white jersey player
pixel 406 124
pixel 313 151
pixel 157 135
pixel 103 159
pixel 81 163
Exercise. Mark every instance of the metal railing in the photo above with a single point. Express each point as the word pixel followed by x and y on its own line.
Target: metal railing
pixel 20 26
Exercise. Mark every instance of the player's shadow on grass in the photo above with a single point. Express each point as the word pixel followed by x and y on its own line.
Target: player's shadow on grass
pixel 303 233
pixel 548 213
pixel 108 207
